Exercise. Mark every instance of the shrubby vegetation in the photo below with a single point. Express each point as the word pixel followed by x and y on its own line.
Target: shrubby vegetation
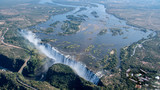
pixel 89 48
pixel 116 31
pixel 63 77
pixel 13 37
pixel 94 13
pixel 102 32
pixel 72 46
pixel 33 64
pixel 72 25
pixel 55 24
pixel 48 40
pixel 9 81
pixel 110 61
pixel 81 9
pixel 67 46
pixel 48 30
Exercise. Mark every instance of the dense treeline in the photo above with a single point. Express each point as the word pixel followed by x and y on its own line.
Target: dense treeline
pixel 8 82
pixel 63 77
pixel 33 65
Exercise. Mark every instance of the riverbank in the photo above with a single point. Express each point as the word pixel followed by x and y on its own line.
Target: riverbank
pixel 128 22
pixel 142 15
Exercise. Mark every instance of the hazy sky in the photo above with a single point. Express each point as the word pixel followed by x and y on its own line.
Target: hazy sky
pixel 45 1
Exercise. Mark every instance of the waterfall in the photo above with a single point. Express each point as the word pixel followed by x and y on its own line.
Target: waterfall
pixel 58 57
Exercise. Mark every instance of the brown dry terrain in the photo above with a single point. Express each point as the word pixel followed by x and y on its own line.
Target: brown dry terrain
pixel 137 13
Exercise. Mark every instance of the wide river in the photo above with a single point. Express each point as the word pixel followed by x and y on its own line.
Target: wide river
pixel 89 29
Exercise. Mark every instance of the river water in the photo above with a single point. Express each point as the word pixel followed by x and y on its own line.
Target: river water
pixel 89 29
pixel 89 33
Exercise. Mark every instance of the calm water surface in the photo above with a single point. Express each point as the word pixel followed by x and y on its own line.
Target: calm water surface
pixel 89 29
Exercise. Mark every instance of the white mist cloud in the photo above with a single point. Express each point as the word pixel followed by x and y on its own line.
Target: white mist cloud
pixel 58 57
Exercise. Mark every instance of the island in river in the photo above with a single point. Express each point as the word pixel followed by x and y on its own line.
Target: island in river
pixel 84 33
